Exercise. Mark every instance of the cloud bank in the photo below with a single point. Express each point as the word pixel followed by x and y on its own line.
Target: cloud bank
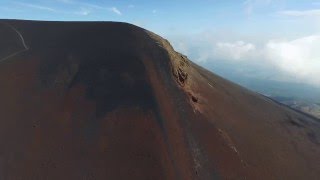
pixel 234 50
pixel 298 58
pixel 116 10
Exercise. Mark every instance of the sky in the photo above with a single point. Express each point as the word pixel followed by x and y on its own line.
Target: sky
pixel 275 40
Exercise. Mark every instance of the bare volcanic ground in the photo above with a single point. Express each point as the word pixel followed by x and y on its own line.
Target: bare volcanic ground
pixel 106 100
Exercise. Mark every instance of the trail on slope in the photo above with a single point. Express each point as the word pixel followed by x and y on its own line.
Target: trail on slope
pixel 22 41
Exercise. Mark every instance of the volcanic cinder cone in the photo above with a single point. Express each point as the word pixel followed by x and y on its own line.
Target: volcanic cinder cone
pixel 105 100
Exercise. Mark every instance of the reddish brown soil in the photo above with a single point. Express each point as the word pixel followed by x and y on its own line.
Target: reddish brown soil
pixel 105 100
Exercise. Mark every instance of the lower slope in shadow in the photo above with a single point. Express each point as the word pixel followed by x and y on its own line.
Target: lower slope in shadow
pixel 114 101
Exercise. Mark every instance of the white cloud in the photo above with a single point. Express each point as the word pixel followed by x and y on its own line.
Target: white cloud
pixel 235 50
pixel 154 11
pixel 305 13
pixel 115 10
pixel 298 58
pixel 181 46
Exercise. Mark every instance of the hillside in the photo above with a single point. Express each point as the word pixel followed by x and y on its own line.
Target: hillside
pixel 107 100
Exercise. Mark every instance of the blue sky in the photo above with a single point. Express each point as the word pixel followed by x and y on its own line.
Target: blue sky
pixel 278 39
pixel 171 16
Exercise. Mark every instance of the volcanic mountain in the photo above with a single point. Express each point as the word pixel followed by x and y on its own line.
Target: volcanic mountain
pixel 107 100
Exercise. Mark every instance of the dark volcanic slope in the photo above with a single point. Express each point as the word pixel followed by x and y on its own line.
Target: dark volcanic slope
pixel 114 101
